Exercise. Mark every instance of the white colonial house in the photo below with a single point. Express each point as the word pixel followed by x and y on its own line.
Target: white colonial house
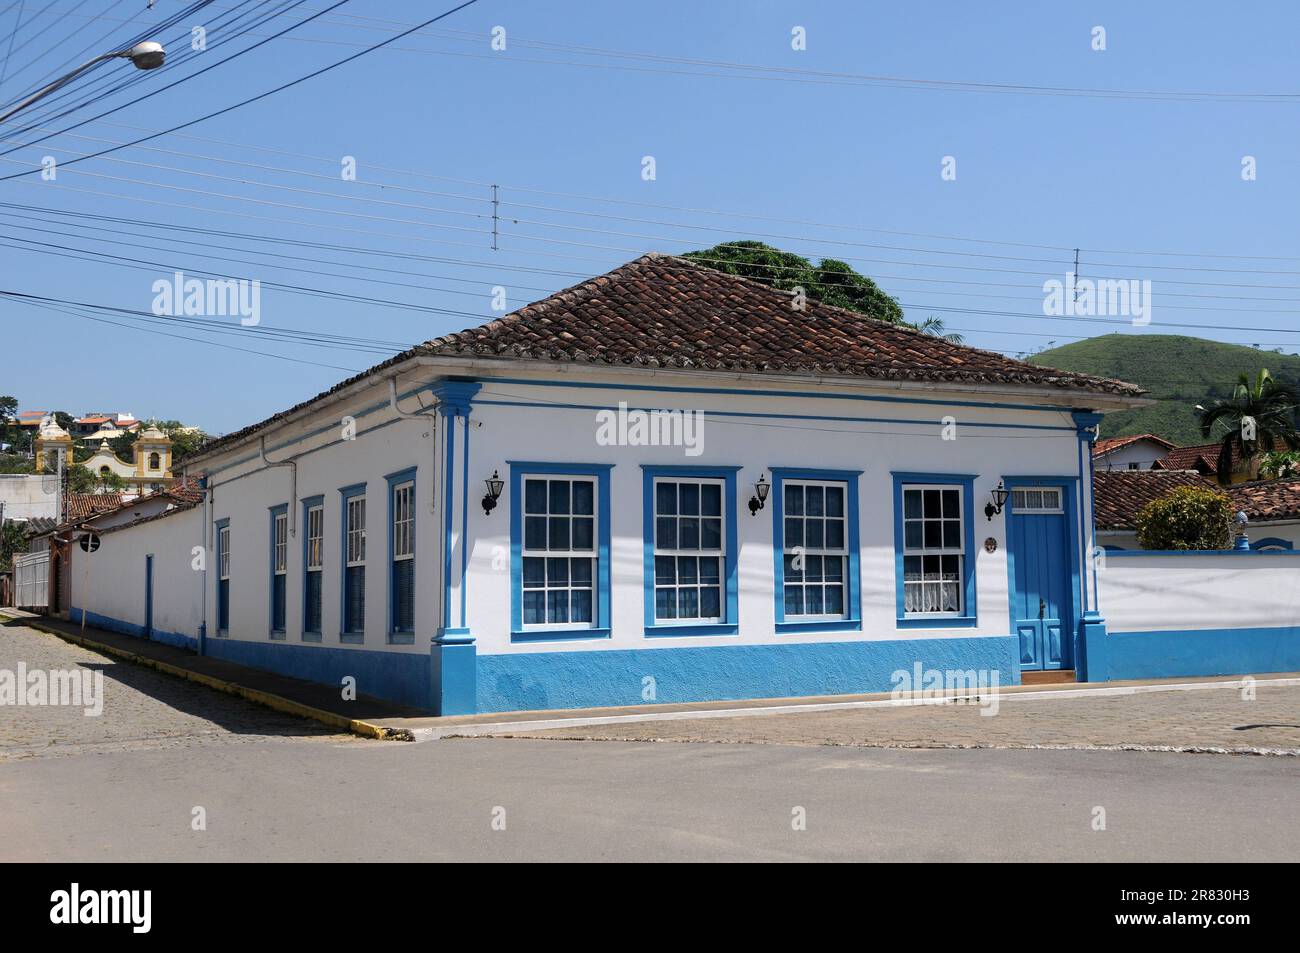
pixel 664 484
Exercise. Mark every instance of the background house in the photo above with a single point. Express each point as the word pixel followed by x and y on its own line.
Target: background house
pixel 1138 452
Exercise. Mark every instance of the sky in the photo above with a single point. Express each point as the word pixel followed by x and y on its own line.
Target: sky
pixel 958 153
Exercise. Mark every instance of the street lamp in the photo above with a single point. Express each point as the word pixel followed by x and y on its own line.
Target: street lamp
pixel 146 55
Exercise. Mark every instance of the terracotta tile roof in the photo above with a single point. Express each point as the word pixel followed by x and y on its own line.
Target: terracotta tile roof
pixel 1111 444
pixel 1118 495
pixel 1265 500
pixel 1202 457
pixel 665 311
pixel 82 506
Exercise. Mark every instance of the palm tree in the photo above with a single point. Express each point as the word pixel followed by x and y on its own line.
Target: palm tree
pixel 1259 416
pixel 935 328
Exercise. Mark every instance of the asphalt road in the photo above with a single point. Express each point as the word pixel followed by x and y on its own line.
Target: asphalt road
pixel 630 801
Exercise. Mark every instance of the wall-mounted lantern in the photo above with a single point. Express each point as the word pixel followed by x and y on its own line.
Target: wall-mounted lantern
pixel 494 487
pixel 1000 495
pixel 759 499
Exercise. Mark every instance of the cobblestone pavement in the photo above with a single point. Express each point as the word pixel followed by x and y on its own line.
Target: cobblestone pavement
pixel 142 708
pixel 1216 719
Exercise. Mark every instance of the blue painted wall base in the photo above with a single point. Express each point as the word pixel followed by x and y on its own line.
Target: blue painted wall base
pixel 453 673
pixel 1094 666
pixel 1203 652
pixel 130 628
pixel 530 681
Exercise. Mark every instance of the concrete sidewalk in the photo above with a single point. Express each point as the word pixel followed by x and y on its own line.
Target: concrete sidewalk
pixel 321 703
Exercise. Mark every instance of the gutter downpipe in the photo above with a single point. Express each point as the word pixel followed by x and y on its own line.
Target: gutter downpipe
pixel 293 485
pixel 431 416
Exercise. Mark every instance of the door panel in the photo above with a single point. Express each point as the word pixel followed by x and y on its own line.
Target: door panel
pixel 1041 599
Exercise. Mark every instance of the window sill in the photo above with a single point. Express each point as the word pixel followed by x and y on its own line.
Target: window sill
pixel 352 638
pixel 557 635
pixel 820 625
pixel 401 638
pixel 311 637
pixel 687 629
pixel 938 622
pixel 277 635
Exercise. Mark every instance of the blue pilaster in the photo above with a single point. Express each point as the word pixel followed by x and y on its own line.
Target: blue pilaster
pixel 1091 663
pixel 453 659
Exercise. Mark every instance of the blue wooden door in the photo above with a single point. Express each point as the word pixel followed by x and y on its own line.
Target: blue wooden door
pixel 1042 605
pixel 148 597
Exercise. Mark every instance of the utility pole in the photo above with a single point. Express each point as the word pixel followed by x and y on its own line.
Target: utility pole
pixel 1074 282
pixel 496 206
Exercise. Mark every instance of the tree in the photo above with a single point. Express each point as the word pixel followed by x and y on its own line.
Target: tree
pixel 12 541
pixel 80 479
pixel 1189 517
pixel 8 419
pixel 1260 415
pixel 1280 465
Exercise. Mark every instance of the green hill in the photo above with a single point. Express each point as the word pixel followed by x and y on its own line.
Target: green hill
pixel 1179 371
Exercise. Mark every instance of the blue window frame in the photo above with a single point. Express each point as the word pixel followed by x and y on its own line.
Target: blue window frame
pixel 401 556
pixel 559 551
pixel 690 540
pixel 352 618
pixel 223 576
pixel 816 550
pixel 313 566
pixel 934 550
pixel 279 552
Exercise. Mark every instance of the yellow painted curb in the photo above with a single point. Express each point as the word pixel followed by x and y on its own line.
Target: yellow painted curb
pixel 355 725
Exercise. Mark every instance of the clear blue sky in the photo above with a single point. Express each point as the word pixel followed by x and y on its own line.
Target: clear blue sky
pixel 1127 175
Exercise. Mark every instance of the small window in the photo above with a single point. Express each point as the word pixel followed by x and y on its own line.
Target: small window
pixel 315 561
pixel 354 572
pixel 104 470
pixel 1031 500
pixel 814 550
pixel 403 562
pixel 223 579
pixel 933 550
pixel 279 569
pixel 155 461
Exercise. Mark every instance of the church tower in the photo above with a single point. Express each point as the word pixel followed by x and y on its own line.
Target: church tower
pixel 52 444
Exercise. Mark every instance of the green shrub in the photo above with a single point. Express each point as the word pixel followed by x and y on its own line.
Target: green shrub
pixel 1187 518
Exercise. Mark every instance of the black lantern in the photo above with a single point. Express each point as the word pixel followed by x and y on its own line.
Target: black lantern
pixel 494 487
pixel 999 500
pixel 759 499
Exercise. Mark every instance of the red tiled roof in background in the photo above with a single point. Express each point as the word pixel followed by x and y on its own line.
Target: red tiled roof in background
pixel 1118 495
pixel 1111 444
pixel 1202 457
pixel 80 506
pixel 1265 500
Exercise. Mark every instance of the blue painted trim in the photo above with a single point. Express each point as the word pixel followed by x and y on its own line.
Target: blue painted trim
pixel 307 504
pixel 542 680
pixel 455 395
pixel 1274 541
pixel 346 493
pixel 769 392
pixel 555 405
pixel 1184 652
pixel 404 637
pixel 601 471
pixel 852 621
pixel 730 622
pixel 448 521
pixel 1072 513
pixel 110 624
pixel 970 611
pixel 218 526
pixel 280 509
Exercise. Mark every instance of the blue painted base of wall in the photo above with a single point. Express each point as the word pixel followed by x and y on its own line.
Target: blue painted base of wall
pixel 619 677
pixel 401 677
pixel 1203 652
pixel 129 628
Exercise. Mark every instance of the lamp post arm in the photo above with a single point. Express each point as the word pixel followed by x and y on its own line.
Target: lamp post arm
pixel 61 81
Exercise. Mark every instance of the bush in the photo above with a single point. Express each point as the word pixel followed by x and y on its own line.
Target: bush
pixel 1187 518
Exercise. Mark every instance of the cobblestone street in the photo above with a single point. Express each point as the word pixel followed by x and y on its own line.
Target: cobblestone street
pixel 1201 720
pixel 142 708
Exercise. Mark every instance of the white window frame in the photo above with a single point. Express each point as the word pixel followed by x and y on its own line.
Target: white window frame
pixel 403 521
pixel 959 550
pixel 569 554
pixel 315 538
pixel 823 551
pixel 280 565
pixel 356 534
pixel 1042 507
pixel 223 552
pixel 720 552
